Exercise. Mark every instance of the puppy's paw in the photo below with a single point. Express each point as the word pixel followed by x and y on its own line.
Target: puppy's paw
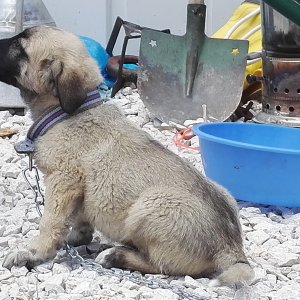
pixel 20 259
pixel 111 258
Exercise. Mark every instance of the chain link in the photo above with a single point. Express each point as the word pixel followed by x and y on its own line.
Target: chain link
pixel 35 187
pixel 136 278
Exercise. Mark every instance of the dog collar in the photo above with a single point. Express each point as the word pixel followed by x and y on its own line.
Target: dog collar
pixel 51 118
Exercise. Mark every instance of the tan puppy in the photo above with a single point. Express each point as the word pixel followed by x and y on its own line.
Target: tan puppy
pixel 102 172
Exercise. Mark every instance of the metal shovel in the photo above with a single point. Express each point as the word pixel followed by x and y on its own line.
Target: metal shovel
pixel 191 76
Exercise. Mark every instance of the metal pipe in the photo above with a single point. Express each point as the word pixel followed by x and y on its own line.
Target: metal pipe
pixel 288 8
pixel 19 16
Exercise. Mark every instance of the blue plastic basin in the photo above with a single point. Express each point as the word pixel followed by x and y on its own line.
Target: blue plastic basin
pixel 256 163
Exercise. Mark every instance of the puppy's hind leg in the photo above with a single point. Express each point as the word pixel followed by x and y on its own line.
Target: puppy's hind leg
pixel 125 258
pixel 81 233
pixel 62 199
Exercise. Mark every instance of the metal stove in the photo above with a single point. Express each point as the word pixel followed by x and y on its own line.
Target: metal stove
pixel 281 70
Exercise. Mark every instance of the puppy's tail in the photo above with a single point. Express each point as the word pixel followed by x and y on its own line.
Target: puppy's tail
pixel 239 272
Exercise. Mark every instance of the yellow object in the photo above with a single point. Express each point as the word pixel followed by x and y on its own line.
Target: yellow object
pixel 250 30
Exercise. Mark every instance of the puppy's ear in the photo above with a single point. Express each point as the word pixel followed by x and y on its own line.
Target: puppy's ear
pixel 65 83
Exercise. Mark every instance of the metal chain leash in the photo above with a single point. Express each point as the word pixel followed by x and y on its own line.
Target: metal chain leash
pixel 35 187
pixel 131 276
pixel 93 266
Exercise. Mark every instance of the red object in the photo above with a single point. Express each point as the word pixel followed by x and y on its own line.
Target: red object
pixel 182 136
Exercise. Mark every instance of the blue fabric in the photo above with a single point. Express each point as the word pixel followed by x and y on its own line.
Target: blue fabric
pixel 131 66
pixel 101 56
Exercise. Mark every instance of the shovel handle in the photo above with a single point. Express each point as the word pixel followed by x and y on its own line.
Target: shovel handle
pixel 194 41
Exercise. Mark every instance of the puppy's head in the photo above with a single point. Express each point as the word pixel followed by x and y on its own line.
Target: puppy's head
pixel 43 61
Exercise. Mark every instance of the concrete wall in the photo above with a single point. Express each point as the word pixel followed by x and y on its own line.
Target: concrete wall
pixel 88 17
pixel 95 18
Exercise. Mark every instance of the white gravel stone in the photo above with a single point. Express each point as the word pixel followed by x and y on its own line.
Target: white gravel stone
pixel 281 259
pixel 260 274
pixel 2 197
pixel 61 269
pixel 6 151
pixel 274 217
pixel 33 217
pixel 55 283
pixel 191 282
pixel 27 226
pixel 4 295
pixel 10 170
pixel 147 293
pixel 12 229
pixel 272 279
pixel 290 291
pixel 130 285
pixel 42 269
pixel 258 237
pixel 204 294
pixel 19 272
pixel 287 270
pixel 4 115
pixel 131 294
pixel 225 292
pixel 165 294
pixel 271 243
pixel 84 288
pixel 4 241
pixel 271 234
pixel 5 276
pixel 127 91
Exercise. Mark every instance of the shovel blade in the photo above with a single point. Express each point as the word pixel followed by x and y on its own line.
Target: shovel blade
pixel 217 86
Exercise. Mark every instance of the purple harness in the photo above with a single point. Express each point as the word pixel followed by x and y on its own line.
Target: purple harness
pixel 51 118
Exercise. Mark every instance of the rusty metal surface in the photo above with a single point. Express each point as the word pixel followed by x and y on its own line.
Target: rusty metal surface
pixel 187 77
pixel 281 85
pixel 281 69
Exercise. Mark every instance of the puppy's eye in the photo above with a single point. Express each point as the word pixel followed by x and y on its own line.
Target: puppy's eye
pixel 16 43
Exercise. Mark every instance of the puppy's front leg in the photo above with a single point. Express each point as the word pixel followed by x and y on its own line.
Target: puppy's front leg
pixel 64 195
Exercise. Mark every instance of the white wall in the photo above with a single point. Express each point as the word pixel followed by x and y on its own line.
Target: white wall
pixel 83 17
pixel 95 18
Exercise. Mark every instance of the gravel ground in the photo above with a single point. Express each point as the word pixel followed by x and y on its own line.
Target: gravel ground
pixel 271 237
